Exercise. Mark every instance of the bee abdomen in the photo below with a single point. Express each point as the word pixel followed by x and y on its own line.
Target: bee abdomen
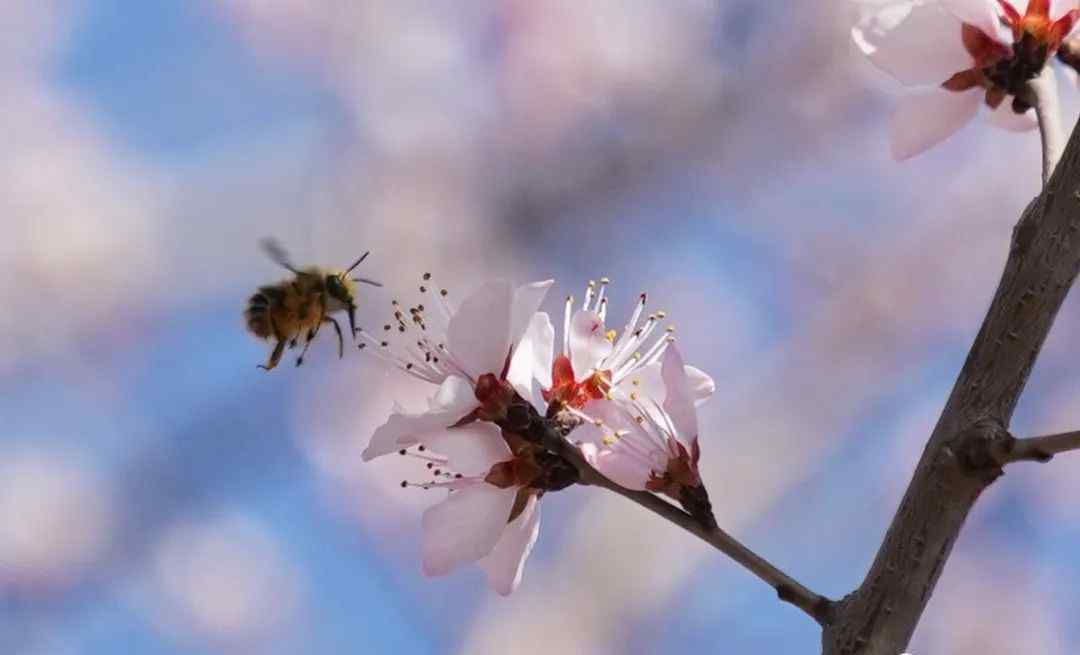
pixel 257 316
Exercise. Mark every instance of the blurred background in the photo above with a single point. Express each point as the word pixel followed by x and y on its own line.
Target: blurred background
pixel 158 494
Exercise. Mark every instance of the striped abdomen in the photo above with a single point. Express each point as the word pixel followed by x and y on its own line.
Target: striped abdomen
pixel 258 311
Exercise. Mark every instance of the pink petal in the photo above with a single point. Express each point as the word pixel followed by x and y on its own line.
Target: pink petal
pixel 983 14
pixel 925 120
pixel 588 342
pixel 506 562
pixel 678 403
pixel 919 45
pixel 464 527
pixel 479 332
pixel 402 430
pixel 527 301
pixel 1007 119
pixel 530 369
pixel 471 449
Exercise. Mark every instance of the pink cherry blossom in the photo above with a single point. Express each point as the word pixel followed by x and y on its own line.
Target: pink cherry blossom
pixel 494 337
pixel 599 363
pixel 652 443
pixel 975 52
pixel 490 515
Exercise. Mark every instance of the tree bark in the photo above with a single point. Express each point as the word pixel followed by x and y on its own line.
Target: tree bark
pixel 879 617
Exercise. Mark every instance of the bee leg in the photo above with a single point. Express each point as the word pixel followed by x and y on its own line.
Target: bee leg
pixel 313 331
pixel 340 340
pixel 292 343
pixel 307 344
pixel 275 356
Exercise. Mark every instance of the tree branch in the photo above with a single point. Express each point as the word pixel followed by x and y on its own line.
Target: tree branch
pixel 879 617
pixel 551 433
pixel 1040 449
pixel 1048 113
pixel 787 588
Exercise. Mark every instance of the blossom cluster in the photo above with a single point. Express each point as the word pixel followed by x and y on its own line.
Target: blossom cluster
pixel 959 55
pixel 628 394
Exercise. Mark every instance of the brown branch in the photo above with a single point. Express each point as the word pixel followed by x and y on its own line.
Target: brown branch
pixel 879 617
pixel 787 588
pixel 523 420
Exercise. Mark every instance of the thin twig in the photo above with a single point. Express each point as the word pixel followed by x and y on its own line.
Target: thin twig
pixel 787 588
pixel 1048 114
pixel 1041 449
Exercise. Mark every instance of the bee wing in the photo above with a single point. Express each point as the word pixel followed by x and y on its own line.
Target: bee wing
pixel 274 250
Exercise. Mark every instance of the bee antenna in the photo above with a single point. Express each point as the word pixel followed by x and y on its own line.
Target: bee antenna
pixel 357 262
pixel 367 281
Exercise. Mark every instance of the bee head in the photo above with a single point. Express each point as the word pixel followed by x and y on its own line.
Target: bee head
pixel 340 289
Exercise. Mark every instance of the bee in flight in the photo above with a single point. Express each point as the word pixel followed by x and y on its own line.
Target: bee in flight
pixel 300 306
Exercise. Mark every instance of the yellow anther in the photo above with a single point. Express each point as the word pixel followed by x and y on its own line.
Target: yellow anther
pixel 610 335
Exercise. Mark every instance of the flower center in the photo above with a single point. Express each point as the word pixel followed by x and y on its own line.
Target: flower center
pixel 568 392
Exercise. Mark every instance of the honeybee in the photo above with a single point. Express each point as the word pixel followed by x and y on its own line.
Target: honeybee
pixel 300 306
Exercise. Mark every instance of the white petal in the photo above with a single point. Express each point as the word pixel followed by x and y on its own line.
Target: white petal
pixel 645 382
pixel 610 414
pixel 985 15
pixel 530 369
pixel 648 382
pixel 479 333
pixel 1007 119
pixel 623 468
pixel 471 449
pixel 464 527
pixel 678 403
pixel 527 301
pixel 1069 72
pixel 702 386
pixel 917 45
pixel 629 460
pixel 925 120
pixel 588 342
pixel 455 394
pixel 402 430
pixel 506 562
pixel 1059 7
